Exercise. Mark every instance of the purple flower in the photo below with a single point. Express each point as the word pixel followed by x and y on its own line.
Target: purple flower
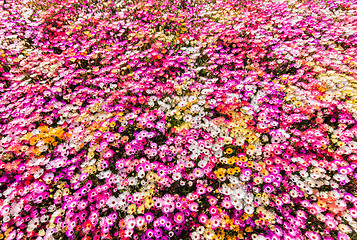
pixel 179 218
pixel 150 233
pixel 149 217
pixel 158 232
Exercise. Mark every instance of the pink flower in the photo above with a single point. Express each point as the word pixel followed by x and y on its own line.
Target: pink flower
pixel 108 154
pixel 193 207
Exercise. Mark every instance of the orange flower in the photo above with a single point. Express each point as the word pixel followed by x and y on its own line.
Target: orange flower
pixel 249 229
pixel 33 140
pixel 49 140
pixel 229 150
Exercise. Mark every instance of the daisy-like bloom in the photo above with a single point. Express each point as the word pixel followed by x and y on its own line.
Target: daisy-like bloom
pixel 150 233
pixel 201 189
pixel 193 206
pixel 198 173
pixel 131 223
pixel 140 221
pixel 226 204
pixel 202 218
pixel 195 235
pixel 176 176
pixel 179 218
pixel 212 200
pixel 149 217
pixel 344 228
pixel 158 203
pixel 313 235
pixel 128 233
pixel 216 221
pixel 166 209
pixel 108 154
pixel 213 210
pixel 112 202
pixel 249 209
pixel 162 220
pixel 158 232
pixel 48 177
pixel 342 236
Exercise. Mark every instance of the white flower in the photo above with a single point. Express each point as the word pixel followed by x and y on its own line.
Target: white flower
pixel 215 147
pixel 141 174
pixel 132 181
pixel 234 180
pixel 195 236
pixel 248 209
pixel 225 190
pixel 48 177
pixel 176 176
pixel 182 104
pixel 260 237
pixel 201 229
pixel 187 118
pixel 6 218
pixel 239 193
pixel 34 222
pixel 112 202
pixel 237 203
pixel 202 163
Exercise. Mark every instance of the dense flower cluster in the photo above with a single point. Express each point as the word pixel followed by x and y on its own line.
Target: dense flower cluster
pixel 170 119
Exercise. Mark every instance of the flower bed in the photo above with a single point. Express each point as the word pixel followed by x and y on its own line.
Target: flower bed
pixel 178 119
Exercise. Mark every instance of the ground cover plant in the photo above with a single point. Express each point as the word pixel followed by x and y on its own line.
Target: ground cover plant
pixel 173 119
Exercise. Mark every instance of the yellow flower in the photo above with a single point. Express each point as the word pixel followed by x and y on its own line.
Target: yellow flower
pixel 43 128
pixel 265 172
pixel 65 192
pixel 237 169
pixel 215 237
pixel 244 158
pixel 229 150
pixel 104 129
pixel 150 176
pixel 141 209
pixel 252 138
pixel 235 159
pixel 36 151
pixel 231 171
pixel 149 203
pixel 131 209
pixel 298 104
pixel 112 124
pixel 27 136
pixel 321 204
pixel 92 169
pixel 41 232
pixel 252 147
pixel 220 172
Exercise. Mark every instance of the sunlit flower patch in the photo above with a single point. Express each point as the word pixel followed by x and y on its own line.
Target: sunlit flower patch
pixel 178 120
